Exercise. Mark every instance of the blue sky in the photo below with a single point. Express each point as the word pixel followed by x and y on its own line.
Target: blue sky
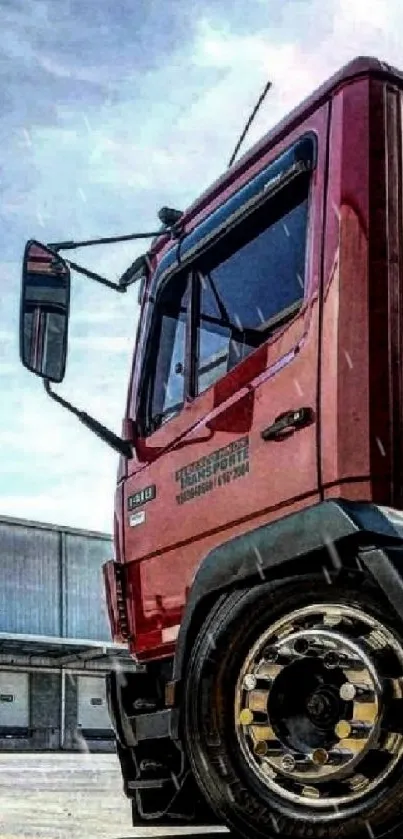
pixel 111 109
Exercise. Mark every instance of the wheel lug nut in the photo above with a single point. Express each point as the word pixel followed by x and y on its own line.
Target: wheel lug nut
pixel 320 757
pixel 347 692
pixel 331 659
pixel 250 681
pixel 342 729
pixel 245 717
pixel 260 748
pixel 288 763
pixel 270 655
pixel 301 646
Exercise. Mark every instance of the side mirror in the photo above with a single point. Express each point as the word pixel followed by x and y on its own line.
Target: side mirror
pixel 44 314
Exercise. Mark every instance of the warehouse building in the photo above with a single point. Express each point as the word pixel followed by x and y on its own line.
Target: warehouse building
pixel 55 643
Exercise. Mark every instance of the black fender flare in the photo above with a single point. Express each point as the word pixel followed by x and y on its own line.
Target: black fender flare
pixel 275 550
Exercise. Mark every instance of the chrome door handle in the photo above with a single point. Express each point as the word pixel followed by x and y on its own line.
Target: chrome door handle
pixel 285 424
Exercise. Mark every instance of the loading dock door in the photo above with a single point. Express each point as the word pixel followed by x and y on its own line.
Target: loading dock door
pixel 14 703
pixel 92 713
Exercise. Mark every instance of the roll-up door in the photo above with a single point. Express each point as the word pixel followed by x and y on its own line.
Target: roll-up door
pixel 14 703
pixel 92 713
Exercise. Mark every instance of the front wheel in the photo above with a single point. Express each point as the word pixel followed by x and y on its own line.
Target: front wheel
pixel 293 712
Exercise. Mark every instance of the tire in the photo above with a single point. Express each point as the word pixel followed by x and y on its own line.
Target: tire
pixel 303 746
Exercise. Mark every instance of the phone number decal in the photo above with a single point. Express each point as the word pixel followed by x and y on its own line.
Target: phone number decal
pixel 215 470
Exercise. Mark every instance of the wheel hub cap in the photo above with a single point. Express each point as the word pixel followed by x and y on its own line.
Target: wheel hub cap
pixel 315 707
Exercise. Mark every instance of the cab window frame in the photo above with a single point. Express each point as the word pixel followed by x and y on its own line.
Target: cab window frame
pixel 145 423
pixel 187 269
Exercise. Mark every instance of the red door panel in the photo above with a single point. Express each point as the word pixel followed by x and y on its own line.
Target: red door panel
pixel 220 476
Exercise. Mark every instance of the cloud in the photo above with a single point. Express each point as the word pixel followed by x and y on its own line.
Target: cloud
pixel 111 110
pixel 104 344
pixel 61 505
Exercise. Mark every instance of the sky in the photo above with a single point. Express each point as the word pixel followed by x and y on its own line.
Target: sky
pixel 111 109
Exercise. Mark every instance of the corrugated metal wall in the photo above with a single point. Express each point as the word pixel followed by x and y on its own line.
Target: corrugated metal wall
pixel 86 612
pixel 51 581
pixel 30 585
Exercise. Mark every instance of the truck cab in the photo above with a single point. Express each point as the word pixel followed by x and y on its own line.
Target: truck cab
pixel 259 387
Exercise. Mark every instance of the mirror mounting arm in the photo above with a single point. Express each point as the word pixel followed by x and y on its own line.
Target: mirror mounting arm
pixel 121 446
pixel 97 277
pixel 104 240
pixel 171 227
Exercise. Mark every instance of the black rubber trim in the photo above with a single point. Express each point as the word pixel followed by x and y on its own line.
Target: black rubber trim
pixel 119 720
pixel 102 734
pixel 259 554
pixel 386 567
pixel 15 732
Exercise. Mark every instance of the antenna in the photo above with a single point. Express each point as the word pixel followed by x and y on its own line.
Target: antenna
pixel 249 122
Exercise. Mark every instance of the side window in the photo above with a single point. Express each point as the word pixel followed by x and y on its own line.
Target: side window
pixel 165 377
pixel 252 284
pixel 213 335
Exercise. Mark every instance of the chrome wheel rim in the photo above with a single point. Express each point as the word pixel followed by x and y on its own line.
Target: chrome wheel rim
pixel 317 706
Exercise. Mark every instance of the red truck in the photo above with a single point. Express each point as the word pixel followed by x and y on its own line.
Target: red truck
pixel 258 531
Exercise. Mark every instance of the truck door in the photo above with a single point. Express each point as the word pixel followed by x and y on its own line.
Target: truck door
pixel 228 406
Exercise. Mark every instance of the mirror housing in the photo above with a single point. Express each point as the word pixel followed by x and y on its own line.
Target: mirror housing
pixel 44 312
pixel 138 272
